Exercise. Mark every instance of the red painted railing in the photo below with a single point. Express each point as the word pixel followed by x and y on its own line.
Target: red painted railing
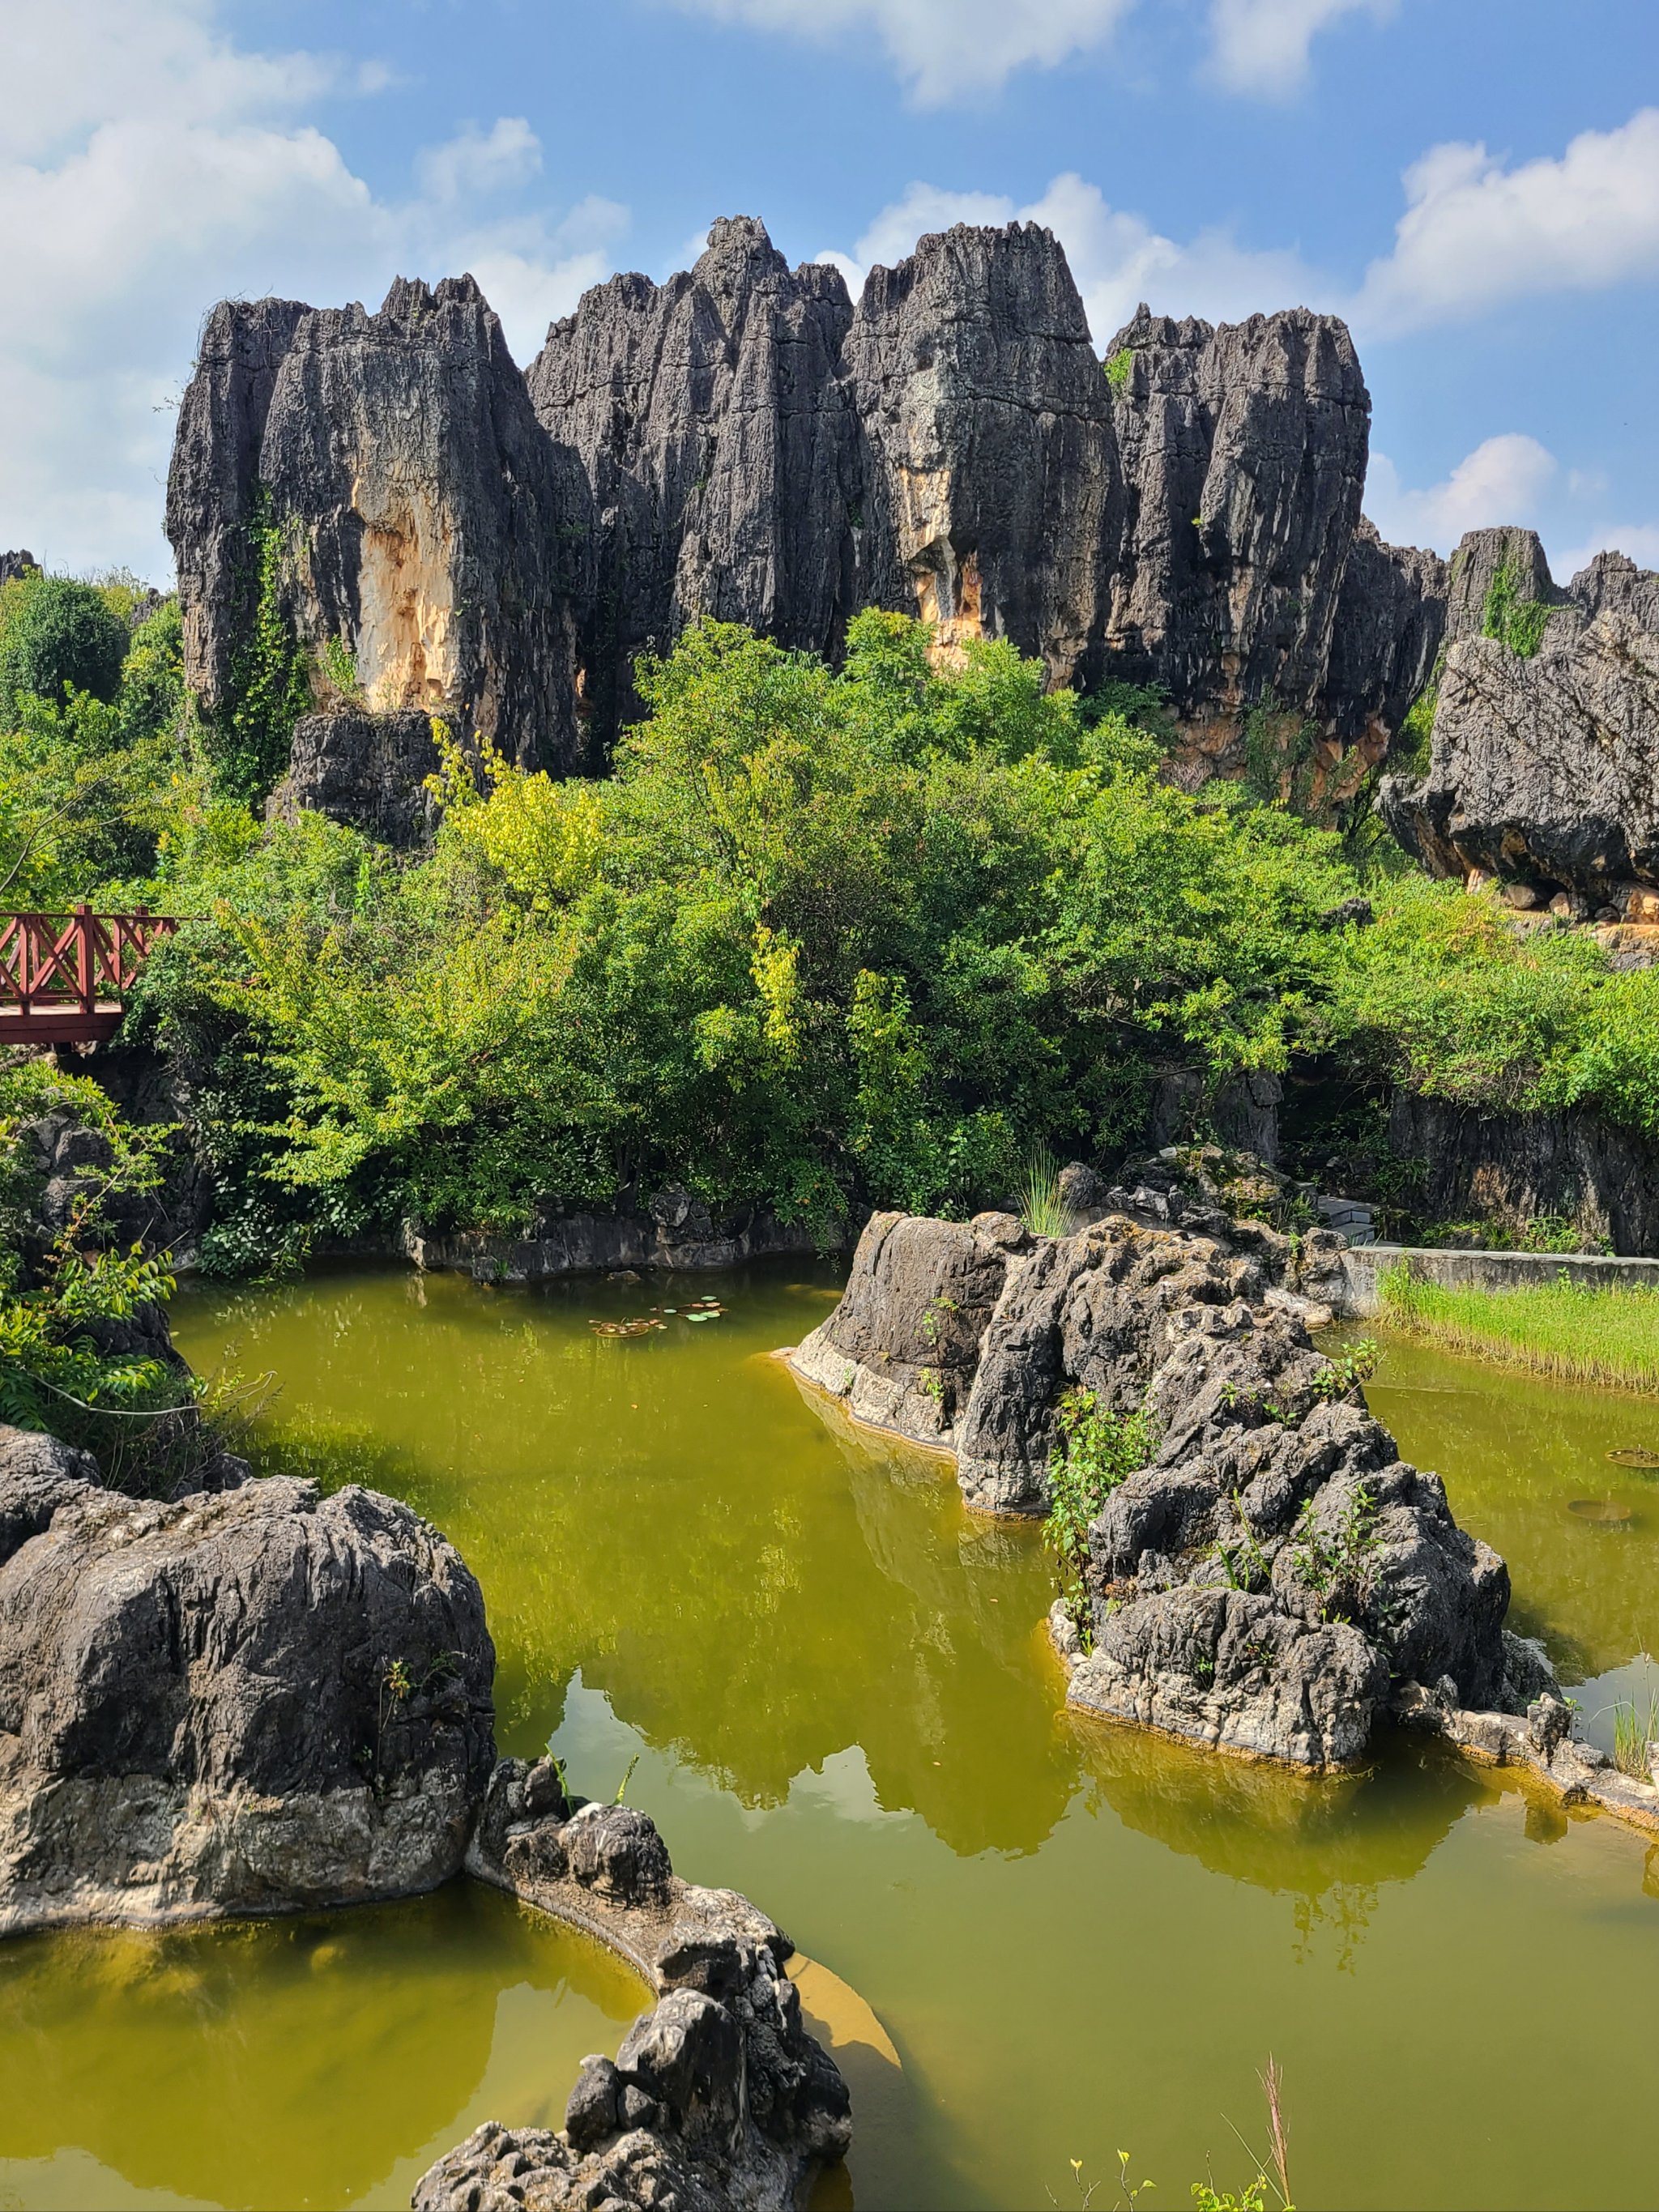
pixel 62 976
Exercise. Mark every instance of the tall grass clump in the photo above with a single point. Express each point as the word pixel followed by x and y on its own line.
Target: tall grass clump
pixel 1040 1205
pixel 1635 1736
pixel 1565 1328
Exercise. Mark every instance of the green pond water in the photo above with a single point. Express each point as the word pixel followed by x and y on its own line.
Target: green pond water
pixel 836 1682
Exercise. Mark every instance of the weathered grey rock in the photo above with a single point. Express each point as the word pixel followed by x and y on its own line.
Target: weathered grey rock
pixel 1243 451
pixel 1260 1584
pixel 666 1233
pixel 902 1346
pixel 257 1701
pixel 1544 770
pixel 425 520
pixel 1390 621
pixel 992 497
pixel 365 770
pixel 709 417
pixel 1474 570
pixel 15 565
pixel 718 2100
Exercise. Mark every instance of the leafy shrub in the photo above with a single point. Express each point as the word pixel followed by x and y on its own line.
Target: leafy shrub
pixel 1097 1451
pixel 58 637
pixel 1519 623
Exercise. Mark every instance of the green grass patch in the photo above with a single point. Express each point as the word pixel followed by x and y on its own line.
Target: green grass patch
pixel 1563 1327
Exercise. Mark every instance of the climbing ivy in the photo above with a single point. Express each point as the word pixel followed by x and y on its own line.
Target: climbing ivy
pixel 270 672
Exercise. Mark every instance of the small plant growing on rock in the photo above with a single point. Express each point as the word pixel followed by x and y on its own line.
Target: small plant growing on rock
pixel 1358 1364
pixel 1338 1568
pixel 1097 1451
pixel 1040 1206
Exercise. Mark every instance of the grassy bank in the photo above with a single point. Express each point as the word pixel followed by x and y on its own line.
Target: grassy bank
pixel 1563 1327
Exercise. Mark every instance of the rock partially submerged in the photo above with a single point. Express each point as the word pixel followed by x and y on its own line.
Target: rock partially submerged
pixel 719 2101
pixel 258 1700
pixel 1268 1582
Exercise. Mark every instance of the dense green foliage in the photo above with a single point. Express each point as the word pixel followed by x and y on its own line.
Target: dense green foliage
pixel 58 637
pixel 1097 1449
pixel 62 1295
pixel 878 934
pixel 270 676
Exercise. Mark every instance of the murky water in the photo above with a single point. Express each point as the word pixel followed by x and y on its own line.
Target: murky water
pixel 1079 1939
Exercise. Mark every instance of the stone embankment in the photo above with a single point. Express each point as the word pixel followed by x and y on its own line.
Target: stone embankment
pixel 1276 1581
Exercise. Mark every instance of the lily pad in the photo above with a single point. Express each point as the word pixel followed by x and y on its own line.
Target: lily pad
pixel 1602 1512
pixel 1634 1455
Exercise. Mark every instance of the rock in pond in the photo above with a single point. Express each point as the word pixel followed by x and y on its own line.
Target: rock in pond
pixel 258 1700
pixel 1275 1570
pixel 718 2100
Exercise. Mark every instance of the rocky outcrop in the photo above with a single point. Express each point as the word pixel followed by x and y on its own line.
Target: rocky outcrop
pixel 1274 1570
pixel 710 418
pixel 365 770
pixel 15 565
pixel 1514 1169
pixel 718 2100
pixel 419 515
pixel 260 1700
pixel 990 500
pixel 744 442
pixel 1244 452
pixel 1545 748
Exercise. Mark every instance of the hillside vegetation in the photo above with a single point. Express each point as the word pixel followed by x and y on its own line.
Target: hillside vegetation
pixel 826 935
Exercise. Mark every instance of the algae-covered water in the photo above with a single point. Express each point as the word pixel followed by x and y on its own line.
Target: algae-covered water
pixel 1079 1939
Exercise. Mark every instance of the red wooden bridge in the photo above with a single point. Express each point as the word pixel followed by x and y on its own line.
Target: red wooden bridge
pixel 63 976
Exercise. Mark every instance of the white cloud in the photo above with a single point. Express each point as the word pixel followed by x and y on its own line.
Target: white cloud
pixel 1260 46
pixel 147 168
pixel 1476 233
pixel 1117 258
pixel 1504 480
pixel 942 50
pixel 474 161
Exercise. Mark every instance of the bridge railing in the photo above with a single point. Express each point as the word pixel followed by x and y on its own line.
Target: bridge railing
pixel 74 967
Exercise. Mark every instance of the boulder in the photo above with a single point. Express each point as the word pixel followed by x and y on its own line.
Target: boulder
pixel 365 770
pixel 424 521
pixel 258 1700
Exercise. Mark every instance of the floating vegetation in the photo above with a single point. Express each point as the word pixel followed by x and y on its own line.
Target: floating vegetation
pixel 704 1309
pixel 1634 1455
pixel 1601 1512
pixel 636 1325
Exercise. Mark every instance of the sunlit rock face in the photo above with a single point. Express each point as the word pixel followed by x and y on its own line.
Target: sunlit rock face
pixel 422 517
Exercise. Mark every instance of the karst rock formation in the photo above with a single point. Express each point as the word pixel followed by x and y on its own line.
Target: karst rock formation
pixel 747 442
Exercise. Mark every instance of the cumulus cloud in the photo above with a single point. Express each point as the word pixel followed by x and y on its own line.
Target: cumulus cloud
pixel 1260 46
pixel 148 167
pixel 474 161
pixel 942 50
pixel 1504 480
pixel 1117 257
pixel 1477 233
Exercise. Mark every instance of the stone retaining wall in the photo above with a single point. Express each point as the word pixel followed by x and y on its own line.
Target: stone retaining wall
pixel 1364 1266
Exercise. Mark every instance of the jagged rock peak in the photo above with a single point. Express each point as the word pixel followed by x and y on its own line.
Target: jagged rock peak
pixel 1244 448
pixel 424 518
pixel 992 490
pixel 708 417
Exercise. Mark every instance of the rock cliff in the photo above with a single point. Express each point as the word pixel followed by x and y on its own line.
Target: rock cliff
pixel 1543 767
pixel 420 516
pixel 746 442
pixel 257 1700
pixel 713 426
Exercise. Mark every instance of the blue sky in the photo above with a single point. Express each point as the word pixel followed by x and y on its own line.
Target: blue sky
pixel 1474 183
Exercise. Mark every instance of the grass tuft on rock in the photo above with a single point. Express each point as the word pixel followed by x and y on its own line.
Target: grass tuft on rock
pixel 1564 1329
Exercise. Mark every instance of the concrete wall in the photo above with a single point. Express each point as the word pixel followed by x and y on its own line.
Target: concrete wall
pixel 1364 1266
